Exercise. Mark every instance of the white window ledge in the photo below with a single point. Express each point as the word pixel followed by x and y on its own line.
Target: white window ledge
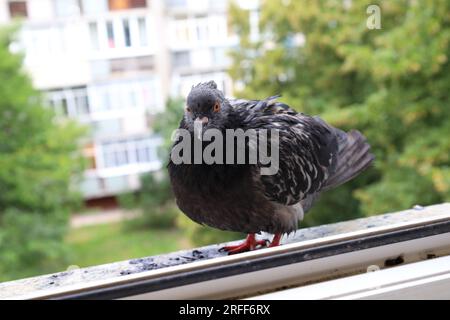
pixel 311 256
pixel 428 279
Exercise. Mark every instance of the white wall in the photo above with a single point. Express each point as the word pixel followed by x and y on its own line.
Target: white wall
pixel 40 10
pixel 56 56
pixel 4 14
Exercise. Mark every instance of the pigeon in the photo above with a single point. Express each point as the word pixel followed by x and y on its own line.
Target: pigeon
pixel 314 157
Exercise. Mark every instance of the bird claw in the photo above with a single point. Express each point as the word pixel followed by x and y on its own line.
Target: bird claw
pixel 247 245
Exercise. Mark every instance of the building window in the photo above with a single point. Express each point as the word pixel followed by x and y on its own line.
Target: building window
pixel 124 95
pixel 18 9
pixel 70 102
pixel 201 29
pixel 59 105
pixel 181 59
pixel 81 101
pixel 126 33
pixel 126 4
pixel 143 36
pixel 182 34
pixel 133 151
pixel 110 33
pixel 133 31
pixel 115 155
pixel 146 152
pixel 93 32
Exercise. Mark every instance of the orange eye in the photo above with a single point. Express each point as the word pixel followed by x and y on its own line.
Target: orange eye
pixel 188 109
pixel 216 107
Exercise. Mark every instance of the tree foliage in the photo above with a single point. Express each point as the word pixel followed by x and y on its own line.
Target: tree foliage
pixel 39 162
pixel 391 83
pixel 155 200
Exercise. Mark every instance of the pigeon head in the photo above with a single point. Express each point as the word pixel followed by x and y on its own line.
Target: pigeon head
pixel 207 104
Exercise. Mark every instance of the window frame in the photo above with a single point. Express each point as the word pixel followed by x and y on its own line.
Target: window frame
pixel 314 255
pixel 11 3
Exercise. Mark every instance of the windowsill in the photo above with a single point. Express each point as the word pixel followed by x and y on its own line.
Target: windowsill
pixel 184 268
pixel 424 280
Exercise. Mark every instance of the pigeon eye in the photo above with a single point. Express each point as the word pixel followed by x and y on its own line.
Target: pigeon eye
pixel 216 107
pixel 188 109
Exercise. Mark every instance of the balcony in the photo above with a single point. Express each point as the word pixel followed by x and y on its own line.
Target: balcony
pixel 112 100
pixel 391 255
pixel 119 164
pixel 73 49
pixel 121 35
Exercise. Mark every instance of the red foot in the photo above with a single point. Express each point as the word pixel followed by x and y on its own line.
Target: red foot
pixel 276 240
pixel 249 244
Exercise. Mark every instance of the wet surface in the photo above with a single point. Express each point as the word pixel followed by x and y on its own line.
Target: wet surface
pixel 133 266
pixel 168 260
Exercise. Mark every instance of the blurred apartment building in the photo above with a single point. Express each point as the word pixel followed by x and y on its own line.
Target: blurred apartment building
pixel 112 64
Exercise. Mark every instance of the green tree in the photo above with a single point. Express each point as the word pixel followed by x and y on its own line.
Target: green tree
pixel 39 164
pixel 391 83
pixel 155 200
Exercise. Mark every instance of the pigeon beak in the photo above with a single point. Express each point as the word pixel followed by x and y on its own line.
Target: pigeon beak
pixel 203 120
pixel 198 126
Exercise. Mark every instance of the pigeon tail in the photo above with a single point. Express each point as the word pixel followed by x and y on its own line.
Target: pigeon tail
pixel 353 158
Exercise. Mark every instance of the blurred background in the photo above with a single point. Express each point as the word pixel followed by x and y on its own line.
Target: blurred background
pixel 91 90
